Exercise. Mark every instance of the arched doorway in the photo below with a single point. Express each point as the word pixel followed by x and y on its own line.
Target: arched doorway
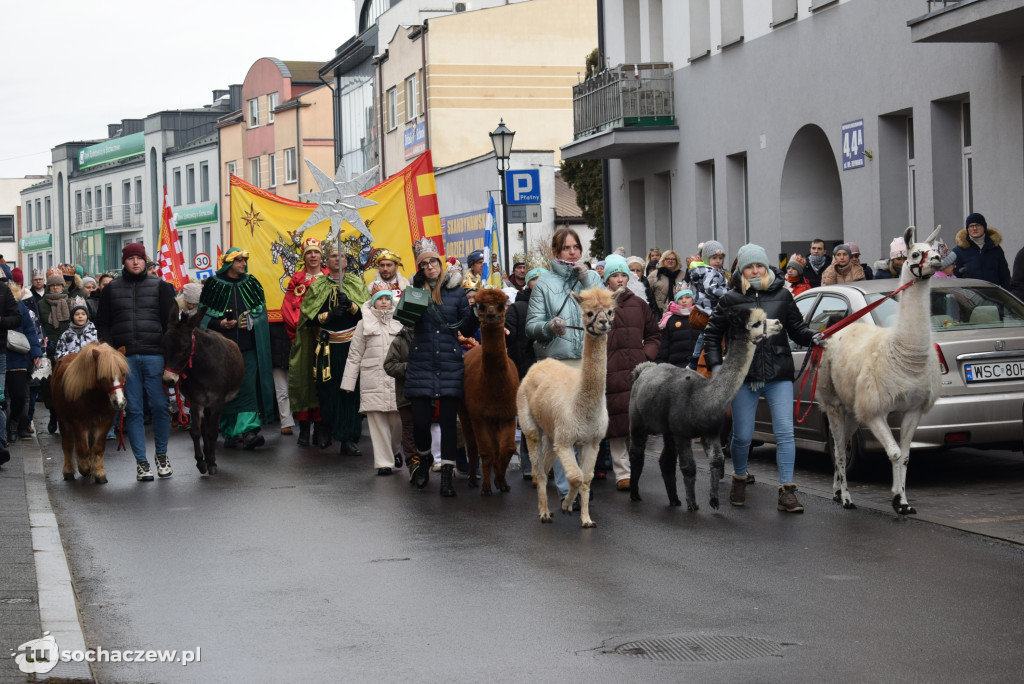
pixel 811 200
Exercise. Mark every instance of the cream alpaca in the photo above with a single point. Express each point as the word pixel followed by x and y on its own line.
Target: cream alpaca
pixel 868 372
pixel 561 407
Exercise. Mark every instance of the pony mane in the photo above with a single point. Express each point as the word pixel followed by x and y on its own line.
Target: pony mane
pixel 86 369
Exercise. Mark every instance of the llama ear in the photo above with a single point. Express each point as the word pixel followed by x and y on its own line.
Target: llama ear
pixel 935 233
pixel 908 238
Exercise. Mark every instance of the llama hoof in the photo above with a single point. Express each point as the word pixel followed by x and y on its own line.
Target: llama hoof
pixel 545 517
pixel 212 468
pixel 838 497
pixel 504 488
pixel 692 507
pixel 100 479
pixel 485 492
pixel 713 503
pixel 69 476
pixel 588 524
pixel 675 502
pixel 849 505
pixel 902 508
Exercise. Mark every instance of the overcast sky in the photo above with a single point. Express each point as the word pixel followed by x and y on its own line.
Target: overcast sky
pixel 68 68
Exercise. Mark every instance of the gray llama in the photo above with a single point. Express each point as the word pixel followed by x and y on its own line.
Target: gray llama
pixel 681 404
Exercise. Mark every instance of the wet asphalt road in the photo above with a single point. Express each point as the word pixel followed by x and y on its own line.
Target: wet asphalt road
pixel 300 565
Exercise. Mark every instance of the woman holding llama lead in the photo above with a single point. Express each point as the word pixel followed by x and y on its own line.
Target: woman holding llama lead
pixel 435 369
pixel 757 284
pixel 365 364
pixel 554 321
pixel 634 338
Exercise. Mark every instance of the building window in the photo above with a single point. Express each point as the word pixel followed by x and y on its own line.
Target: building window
pixel 392 110
pixel 968 158
pixel 28 218
pixel 272 167
pixel 49 216
pixel 190 183
pixel 99 203
pixel 176 187
pixel 290 175
pixel 7 227
pixel 109 192
pixel 193 248
pixel 911 175
pixel 78 208
pixel 254 113
pixel 254 171
pixel 411 108
pixel 272 101
pixel 88 206
pixel 230 169
pixel 138 195
pixel 204 182
pixel 39 214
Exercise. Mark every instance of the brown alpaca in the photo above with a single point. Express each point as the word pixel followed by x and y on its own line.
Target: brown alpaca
pixel 562 407
pixel 488 412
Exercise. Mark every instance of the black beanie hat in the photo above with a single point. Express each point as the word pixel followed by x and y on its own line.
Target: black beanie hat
pixel 975 218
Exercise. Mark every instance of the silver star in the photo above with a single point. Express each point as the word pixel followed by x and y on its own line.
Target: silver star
pixel 339 200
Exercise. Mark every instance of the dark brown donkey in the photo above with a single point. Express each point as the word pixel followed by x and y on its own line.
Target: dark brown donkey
pixel 210 371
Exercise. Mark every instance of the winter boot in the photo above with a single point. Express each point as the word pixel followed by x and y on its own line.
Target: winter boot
pixel 303 433
pixel 447 477
pixel 419 468
pixel 738 493
pixel 787 499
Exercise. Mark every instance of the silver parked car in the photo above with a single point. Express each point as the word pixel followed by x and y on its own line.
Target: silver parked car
pixel 978 332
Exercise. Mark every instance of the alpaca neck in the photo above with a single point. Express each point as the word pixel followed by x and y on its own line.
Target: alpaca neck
pixel 913 327
pixel 735 367
pixel 493 341
pixel 595 366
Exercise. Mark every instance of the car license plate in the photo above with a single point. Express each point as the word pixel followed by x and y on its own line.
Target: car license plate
pixel 989 372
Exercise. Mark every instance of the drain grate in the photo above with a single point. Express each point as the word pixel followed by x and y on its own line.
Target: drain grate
pixel 699 648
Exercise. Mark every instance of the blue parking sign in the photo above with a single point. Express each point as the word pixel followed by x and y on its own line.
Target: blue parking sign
pixel 853 144
pixel 522 186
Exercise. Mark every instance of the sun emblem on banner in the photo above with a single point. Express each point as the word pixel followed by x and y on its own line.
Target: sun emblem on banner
pixel 339 200
pixel 252 219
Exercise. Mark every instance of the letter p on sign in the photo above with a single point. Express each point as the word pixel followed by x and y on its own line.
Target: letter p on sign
pixel 523 186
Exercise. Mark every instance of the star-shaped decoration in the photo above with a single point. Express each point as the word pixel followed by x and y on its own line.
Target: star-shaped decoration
pixel 252 219
pixel 339 200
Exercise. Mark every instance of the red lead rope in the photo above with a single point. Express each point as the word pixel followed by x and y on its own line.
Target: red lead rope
pixel 816 352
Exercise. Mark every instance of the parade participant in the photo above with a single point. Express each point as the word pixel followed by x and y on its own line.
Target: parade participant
pixel 188 300
pixel 55 316
pixel 134 312
pixel 842 269
pixel 893 266
pixel 331 308
pixel 92 301
pixel 709 281
pixel 757 284
pixel 38 284
pixel 817 262
pixel 678 337
pixel 365 364
pixel 10 319
pixel 435 368
pixel 80 332
pixel 302 397
pixel 237 308
pixel 517 278
pixel 473 277
pixel 855 258
pixel 795 280
pixel 979 254
pixel 388 274
pixel 520 346
pixel 72 282
pixel 552 311
pixel 664 280
pixel 19 365
pixel 633 339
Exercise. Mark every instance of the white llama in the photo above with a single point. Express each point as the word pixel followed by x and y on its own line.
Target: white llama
pixel 869 372
pixel 562 407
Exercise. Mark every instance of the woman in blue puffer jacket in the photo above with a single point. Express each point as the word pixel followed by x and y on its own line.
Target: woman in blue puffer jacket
pixel 19 367
pixel 435 369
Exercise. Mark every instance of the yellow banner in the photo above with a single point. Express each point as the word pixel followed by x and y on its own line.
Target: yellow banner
pixel 264 225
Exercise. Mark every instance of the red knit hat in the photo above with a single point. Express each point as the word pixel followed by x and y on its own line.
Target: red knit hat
pixel 18 276
pixel 133 249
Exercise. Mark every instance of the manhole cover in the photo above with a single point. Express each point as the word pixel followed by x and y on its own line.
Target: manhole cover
pixel 700 648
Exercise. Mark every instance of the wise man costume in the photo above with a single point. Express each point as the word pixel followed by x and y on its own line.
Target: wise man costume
pixel 241 299
pixel 301 387
pixel 328 316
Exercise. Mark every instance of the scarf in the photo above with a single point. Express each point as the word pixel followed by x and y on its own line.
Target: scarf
pixel 817 262
pixel 79 329
pixel 59 311
pixel 980 241
pixel 756 282
pixel 673 310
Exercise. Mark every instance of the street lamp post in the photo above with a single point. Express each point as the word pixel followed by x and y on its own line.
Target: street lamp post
pixel 501 138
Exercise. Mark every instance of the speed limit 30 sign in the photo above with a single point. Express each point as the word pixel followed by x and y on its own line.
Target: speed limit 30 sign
pixel 202 261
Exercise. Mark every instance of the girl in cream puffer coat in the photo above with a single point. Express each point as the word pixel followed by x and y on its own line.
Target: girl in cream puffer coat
pixel 365 366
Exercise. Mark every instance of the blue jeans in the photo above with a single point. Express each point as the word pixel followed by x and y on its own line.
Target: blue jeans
pixel 146 370
pixel 779 394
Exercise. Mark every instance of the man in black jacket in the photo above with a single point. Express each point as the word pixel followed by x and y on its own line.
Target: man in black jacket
pixel 133 313
pixel 10 317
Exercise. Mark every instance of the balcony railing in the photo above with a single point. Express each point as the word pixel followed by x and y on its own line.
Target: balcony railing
pixel 116 216
pixel 624 96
